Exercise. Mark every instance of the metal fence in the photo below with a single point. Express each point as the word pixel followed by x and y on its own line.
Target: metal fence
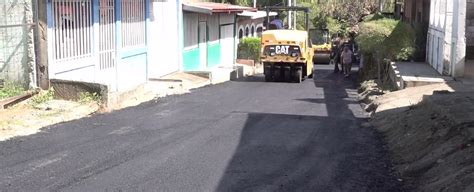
pixel 72 29
pixel 17 53
pixel 133 24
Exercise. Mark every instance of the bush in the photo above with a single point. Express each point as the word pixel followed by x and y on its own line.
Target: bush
pixel 381 40
pixel 373 17
pixel 249 48
pixel 387 39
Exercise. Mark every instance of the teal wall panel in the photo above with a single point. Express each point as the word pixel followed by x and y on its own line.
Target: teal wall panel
pixel 213 55
pixel 191 59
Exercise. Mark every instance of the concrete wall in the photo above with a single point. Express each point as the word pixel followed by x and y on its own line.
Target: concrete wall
pixel 17 56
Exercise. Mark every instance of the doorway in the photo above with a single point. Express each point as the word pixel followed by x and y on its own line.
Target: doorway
pixel 203 44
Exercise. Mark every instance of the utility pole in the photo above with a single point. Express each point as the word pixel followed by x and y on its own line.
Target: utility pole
pixel 295 15
pixel 41 44
pixel 254 3
pixel 289 15
pixel 380 5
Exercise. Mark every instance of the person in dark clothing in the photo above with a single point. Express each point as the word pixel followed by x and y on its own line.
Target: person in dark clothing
pixel 336 53
pixel 277 23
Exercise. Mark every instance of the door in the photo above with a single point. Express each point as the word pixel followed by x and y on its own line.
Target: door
pixel 164 44
pixel 227 45
pixel 203 44
pixel 107 55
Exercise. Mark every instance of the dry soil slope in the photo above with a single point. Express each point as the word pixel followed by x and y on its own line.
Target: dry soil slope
pixel 432 141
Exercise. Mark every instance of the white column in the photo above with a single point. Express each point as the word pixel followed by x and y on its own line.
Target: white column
pixel 459 38
pixel 289 15
pixel 448 35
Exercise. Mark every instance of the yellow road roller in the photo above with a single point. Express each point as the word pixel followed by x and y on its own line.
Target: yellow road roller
pixel 321 45
pixel 287 54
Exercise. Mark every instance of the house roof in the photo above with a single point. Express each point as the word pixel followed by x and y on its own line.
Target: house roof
pixel 210 8
pixel 257 14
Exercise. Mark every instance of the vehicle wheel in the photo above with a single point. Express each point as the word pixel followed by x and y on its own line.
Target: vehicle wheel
pixel 287 75
pixel 268 78
pixel 277 74
pixel 298 75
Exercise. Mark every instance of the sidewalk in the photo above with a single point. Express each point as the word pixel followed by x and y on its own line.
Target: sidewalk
pixel 414 74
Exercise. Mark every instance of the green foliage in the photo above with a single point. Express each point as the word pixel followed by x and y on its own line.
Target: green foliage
pixel 313 13
pixel 249 48
pixel 386 38
pixel 10 90
pixel 373 17
pixel 337 26
pixel 43 97
pixel 87 97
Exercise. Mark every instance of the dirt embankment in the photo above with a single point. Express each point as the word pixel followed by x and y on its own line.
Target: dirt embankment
pixel 430 133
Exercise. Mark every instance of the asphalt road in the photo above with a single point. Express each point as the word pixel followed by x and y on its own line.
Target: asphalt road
pixel 238 136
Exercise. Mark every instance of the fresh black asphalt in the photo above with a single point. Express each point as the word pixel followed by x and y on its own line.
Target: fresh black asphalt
pixel 245 135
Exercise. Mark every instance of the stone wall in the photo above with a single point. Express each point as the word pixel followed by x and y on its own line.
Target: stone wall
pixel 17 55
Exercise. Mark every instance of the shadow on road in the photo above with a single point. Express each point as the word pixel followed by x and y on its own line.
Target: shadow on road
pixel 296 152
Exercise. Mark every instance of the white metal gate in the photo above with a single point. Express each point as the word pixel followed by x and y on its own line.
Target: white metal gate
pixel 107 50
pixel 99 41
pixel 72 30
pixel 71 38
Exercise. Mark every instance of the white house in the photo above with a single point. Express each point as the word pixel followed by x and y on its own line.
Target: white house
pixel 209 38
pixel 451 36
pixel 251 23
pixel 99 41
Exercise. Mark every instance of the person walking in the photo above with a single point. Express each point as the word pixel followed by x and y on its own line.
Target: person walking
pixel 336 54
pixel 346 58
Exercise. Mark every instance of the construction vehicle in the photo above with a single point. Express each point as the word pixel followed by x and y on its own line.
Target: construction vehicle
pixel 287 54
pixel 321 45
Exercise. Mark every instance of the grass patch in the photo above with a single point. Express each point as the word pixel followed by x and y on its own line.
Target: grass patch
pixel 87 97
pixel 10 90
pixel 42 97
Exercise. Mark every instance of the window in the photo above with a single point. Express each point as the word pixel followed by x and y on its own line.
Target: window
pixel 252 31
pixel 213 28
pixel 133 23
pixel 190 30
pixel 259 31
pixel 241 33
pixel 247 31
pixel 72 28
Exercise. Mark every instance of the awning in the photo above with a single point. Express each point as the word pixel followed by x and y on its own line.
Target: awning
pixel 210 8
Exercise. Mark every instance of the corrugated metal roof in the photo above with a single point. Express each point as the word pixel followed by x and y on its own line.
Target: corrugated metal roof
pixel 210 8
